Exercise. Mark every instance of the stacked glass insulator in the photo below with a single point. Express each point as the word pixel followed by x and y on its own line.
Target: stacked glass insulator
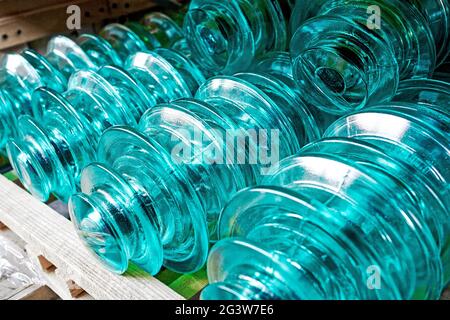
pixel 353 53
pixel 361 214
pixel 155 195
pixel 23 73
pixel 126 126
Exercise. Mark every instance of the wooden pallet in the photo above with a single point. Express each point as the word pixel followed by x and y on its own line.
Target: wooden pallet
pixel 23 21
pixel 69 269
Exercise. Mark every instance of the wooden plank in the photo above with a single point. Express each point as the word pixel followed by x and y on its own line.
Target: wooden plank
pixel 44 21
pixel 55 238
pixel 11 7
pixel 35 292
pixel 65 289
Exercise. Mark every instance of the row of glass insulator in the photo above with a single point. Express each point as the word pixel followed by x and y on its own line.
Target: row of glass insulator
pixel 62 136
pixel 21 74
pixel 361 214
pixel 138 204
pixel 344 56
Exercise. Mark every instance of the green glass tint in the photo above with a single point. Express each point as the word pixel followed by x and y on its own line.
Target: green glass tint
pixel 225 36
pixel 156 193
pixel 61 138
pixel 20 75
pixel 344 60
pixel 278 65
pixel 362 214
pixel 116 42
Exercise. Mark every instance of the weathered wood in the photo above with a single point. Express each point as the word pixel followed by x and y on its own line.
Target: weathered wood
pixel 52 236
pixel 11 7
pixel 65 289
pixel 35 292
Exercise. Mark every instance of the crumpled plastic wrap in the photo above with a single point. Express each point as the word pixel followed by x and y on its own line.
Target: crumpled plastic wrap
pixel 17 272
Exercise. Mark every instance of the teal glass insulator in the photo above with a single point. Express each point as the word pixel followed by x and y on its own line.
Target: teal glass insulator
pixel 278 65
pixel 302 11
pixel 116 42
pixel 436 12
pixel 7 119
pixel 432 93
pixel 324 221
pixel 51 148
pixel 345 62
pixel 160 78
pixel 99 50
pixel 156 30
pixel 20 75
pixel 123 40
pixel 225 36
pixel 368 202
pixel 50 76
pixel 19 78
pixel 299 117
pixel 163 28
pixel 167 181
pixel 420 139
pixel 62 137
pixel 67 56
pixel 189 71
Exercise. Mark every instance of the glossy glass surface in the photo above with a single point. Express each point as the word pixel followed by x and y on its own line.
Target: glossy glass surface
pixel 370 200
pixel 67 56
pixel 432 93
pixel 62 136
pixel 168 178
pixel 225 36
pixel 344 65
pixel 20 75
pixel 278 65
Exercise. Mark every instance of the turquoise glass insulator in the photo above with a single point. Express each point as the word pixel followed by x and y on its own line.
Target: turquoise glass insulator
pixel 99 50
pixel 188 70
pixel 89 52
pixel 62 137
pixel 432 93
pixel 278 65
pixel 420 138
pixel 436 12
pixel 322 224
pixel 67 56
pixel 116 42
pixel 344 64
pixel 225 36
pixel 53 146
pixel 50 76
pixel 7 119
pixel 302 11
pixel 123 40
pixel 156 192
pixel 166 30
pixel 20 75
